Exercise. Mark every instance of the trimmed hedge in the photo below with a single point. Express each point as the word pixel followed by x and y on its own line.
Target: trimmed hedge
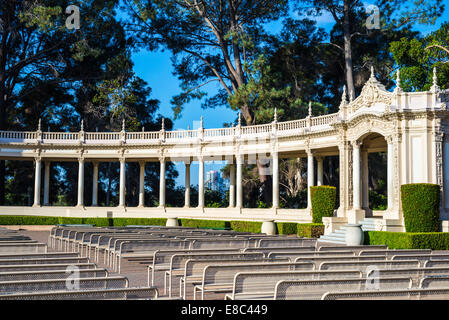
pixel 409 240
pixel 323 202
pixel 306 230
pixel 310 230
pixel 421 207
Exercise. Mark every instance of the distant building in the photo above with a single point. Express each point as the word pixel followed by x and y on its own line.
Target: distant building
pixel 215 181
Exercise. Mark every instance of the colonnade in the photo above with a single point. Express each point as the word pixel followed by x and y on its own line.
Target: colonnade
pixel 359 179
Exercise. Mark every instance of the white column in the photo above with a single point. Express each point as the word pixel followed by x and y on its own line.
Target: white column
pixel 232 185
pixel 390 173
pixel 239 189
pixel 356 199
pixel 47 183
pixel 162 183
pixel 187 186
pixel 122 183
pixel 95 184
pixel 200 182
pixel 319 177
pixel 365 177
pixel 37 183
pixel 80 183
pixel 142 184
pixel 275 180
pixel 310 178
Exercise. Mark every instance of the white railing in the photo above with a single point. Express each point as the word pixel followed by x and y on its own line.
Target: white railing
pixel 292 125
pixel 260 129
pixel 103 136
pixel 324 120
pixel 60 136
pixel 18 135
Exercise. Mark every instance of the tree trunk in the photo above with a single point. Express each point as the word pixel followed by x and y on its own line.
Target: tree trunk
pixel 348 50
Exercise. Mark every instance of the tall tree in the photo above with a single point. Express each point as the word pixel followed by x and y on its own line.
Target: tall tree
pixel 395 15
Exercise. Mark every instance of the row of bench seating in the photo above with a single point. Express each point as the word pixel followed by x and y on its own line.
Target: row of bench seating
pixel 28 271
pixel 220 264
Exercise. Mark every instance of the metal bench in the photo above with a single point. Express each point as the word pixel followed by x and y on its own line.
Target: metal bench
pixel 416 274
pixel 145 247
pixel 408 294
pixel 95 294
pixel 433 282
pixel 221 243
pixel 39 255
pixel 44 260
pixel 356 249
pixel 22 248
pixel 436 263
pixel 364 266
pixel 395 252
pixel 51 274
pixel 261 285
pixel 298 254
pixel 35 267
pixel 161 259
pixel 21 286
pixel 220 278
pixel 268 250
pixel 178 263
pixel 315 289
pixel 286 242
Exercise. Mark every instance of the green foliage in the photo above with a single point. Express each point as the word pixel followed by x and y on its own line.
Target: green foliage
pixel 286 227
pixel 310 230
pixel 417 57
pixel 246 226
pixel 408 240
pixel 377 200
pixel 262 204
pixel 323 202
pixel 99 222
pixel 421 207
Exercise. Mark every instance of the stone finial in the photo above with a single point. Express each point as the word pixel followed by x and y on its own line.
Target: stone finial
pixel 163 124
pixel 82 125
pixel 123 125
pixel 143 128
pixel 344 95
pixel 398 82
pixel 39 125
pixel 434 87
pixel 372 73
pixel 275 115
pixel 240 119
pixel 201 122
pixel 310 108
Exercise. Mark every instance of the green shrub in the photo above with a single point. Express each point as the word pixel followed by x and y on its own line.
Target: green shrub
pixel 246 226
pixel 421 207
pixel 409 240
pixel 286 227
pixel 323 202
pixel 310 230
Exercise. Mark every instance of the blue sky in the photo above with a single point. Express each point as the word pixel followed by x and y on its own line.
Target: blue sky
pixel 156 69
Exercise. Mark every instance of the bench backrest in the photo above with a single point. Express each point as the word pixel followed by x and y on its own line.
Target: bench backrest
pixel 219 274
pixel 267 250
pixel 306 254
pixel 415 273
pixel 196 267
pixel 178 261
pixel 265 282
pixel 61 284
pixel 315 289
pixel 56 266
pixel 220 243
pixel 319 259
pixel 151 245
pixel 434 282
pixel 24 247
pixel 365 266
pixel 51 274
pixel 408 294
pixel 44 260
pixel 394 252
pixel 356 249
pixel 289 242
pixel 95 294
pixel 421 257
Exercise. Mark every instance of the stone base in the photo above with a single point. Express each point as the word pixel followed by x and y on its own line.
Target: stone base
pixel 269 228
pixel 355 215
pixel 333 223
pixel 172 222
